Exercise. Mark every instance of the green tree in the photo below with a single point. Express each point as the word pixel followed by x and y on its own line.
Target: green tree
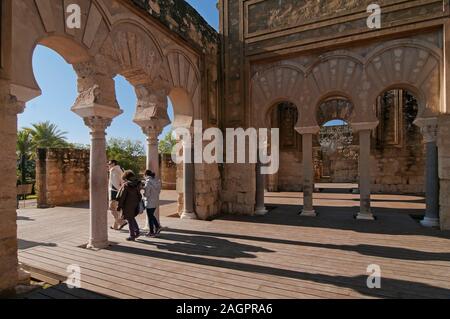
pixel 130 154
pixel 47 135
pixel 167 143
pixel 24 152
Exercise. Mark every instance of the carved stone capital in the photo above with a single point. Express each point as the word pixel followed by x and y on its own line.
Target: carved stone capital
pixel 307 130
pixel 428 128
pixel 151 109
pixel 98 125
pixel 94 88
pixel 11 104
pixel 364 126
pixel 152 133
pixel 12 99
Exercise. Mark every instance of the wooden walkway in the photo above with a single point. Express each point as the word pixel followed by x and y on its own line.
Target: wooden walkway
pixel 281 255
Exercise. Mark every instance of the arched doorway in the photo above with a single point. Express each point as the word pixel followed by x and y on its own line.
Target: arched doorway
pixel 284 116
pixel 335 149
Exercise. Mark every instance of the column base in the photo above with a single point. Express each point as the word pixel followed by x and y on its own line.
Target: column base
pixel 261 211
pixel 188 215
pixel 308 213
pixel 365 216
pixel 97 245
pixel 430 222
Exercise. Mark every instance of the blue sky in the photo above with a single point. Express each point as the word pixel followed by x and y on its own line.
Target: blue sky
pixel 58 83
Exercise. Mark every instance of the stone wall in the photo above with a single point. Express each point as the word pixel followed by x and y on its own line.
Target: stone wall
pixel 62 177
pixel 290 174
pixel 207 191
pixel 239 189
pixel 168 172
pixel 444 170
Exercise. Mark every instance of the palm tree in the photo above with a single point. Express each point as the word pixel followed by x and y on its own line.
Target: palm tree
pixel 47 135
pixel 24 151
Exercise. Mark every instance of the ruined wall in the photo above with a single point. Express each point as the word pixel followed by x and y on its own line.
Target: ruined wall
pixel 168 172
pixel 444 169
pixel 62 177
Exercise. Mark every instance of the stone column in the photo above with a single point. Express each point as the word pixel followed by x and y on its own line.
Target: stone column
pixel 428 127
pixel 98 193
pixel 308 169
pixel 188 181
pixel 151 116
pixel 364 175
pixel 152 134
pixel 97 105
pixel 260 186
pixel 9 267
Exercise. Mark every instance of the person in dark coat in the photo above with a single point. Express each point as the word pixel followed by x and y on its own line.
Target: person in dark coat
pixel 129 198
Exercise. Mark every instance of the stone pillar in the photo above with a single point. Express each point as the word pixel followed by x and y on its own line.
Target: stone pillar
pixel 365 212
pixel 9 267
pixel 188 181
pixel 151 116
pixel 260 186
pixel 98 175
pixel 428 127
pixel 365 130
pixel 152 150
pixel 308 169
pixel 97 105
pixel 152 134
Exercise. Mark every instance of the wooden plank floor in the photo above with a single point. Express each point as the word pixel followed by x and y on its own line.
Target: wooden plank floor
pixel 281 255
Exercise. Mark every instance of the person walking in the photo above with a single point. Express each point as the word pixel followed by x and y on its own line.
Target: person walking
pixel 152 190
pixel 115 183
pixel 129 198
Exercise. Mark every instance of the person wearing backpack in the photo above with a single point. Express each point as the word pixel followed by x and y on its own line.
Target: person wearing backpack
pixel 115 184
pixel 129 198
pixel 152 190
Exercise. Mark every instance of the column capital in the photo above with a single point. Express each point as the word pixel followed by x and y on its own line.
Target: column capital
pixel 96 92
pixel 302 130
pixel 11 104
pixel 428 128
pixel 14 97
pixel 97 124
pixel 151 108
pixel 152 133
pixel 364 126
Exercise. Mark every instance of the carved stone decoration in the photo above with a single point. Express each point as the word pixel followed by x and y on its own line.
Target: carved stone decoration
pixel 98 125
pixel 11 104
pixel 151 109
pixel 428 128
pixel 137 54
pixel 335 108
pixel 281 13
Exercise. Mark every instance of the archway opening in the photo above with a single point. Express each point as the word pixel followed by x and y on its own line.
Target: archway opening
pixel 398 148
pixel 180 112
pixel 48 130
pixel 284 116
pixel 336 147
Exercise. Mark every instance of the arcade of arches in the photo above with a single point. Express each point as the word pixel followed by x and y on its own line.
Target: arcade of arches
pixel 387 88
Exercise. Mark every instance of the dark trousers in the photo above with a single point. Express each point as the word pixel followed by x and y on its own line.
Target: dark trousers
pixel 152 221
pixel 134 227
